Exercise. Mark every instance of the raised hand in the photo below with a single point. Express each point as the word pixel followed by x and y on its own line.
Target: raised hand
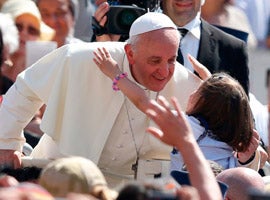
pixel 201 70
pixel 106 63
pixel 174 129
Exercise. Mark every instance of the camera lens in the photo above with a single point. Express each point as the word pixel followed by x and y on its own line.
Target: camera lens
pixel 126 18
pixel 120 18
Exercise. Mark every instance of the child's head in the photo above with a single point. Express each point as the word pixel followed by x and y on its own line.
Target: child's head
pixel 223 103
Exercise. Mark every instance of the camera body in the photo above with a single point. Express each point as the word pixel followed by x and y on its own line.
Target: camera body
pixel 121 17
pixel 123 13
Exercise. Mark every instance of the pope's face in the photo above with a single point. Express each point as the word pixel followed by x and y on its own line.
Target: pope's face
pixel 181 11
pixel 152 58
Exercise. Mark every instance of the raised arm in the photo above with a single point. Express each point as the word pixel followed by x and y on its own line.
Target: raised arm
pixel 111 69
pixel 175 131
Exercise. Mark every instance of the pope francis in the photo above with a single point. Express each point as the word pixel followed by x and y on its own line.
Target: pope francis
pixel 85 116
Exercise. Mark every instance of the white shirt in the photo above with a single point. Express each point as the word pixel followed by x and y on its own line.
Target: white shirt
pixel 190 43
pixel 212 149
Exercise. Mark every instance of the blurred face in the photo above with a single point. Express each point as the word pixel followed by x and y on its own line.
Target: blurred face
pixel 57 15
pixel 2 2
pixel 212 9
pixel 28 28
pixel 181 11
pixel 152 58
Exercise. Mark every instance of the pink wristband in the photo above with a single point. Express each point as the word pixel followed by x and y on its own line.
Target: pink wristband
pixel 116 79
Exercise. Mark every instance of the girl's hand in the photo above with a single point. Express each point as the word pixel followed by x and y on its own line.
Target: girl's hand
pixel 106 63
pixel 201 70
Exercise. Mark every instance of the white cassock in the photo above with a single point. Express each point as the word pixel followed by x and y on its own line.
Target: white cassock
pixel 82 109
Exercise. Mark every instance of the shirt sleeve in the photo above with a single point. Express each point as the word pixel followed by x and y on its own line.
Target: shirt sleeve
pixel 29 92
pixel 17 109
pixel 255 163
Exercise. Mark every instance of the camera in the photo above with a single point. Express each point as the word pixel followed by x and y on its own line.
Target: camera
pixel 122 14
pixel 121 17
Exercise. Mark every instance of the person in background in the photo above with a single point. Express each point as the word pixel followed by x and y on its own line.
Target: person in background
pixel 226 14
pixel 241 182
pixel 75 175
pixel 27 19
pixel 10 43
pixel 258 13
pixel 83 26
pixel 25 191
pixel 2 2
pixel 157 189
pixel 61 16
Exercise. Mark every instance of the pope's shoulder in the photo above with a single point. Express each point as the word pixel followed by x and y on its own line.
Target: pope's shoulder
pixel 87 47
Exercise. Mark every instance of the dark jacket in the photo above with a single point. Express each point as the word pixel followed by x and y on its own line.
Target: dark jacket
pixel 219 51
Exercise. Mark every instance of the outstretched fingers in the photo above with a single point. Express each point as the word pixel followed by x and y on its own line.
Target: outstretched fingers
pixel 100 56
pixel 202 71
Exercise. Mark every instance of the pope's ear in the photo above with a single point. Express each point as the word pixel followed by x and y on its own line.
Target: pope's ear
pixel 129 53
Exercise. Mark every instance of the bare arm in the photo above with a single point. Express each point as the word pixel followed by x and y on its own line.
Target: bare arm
pixel 175 131
pixel 111 69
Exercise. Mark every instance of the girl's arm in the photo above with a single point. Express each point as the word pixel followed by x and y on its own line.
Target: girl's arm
pixel 111 69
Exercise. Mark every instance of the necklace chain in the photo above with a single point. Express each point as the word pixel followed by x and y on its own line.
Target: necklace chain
pixel 134 166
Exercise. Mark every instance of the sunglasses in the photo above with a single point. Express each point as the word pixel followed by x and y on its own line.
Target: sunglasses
pixel 30 29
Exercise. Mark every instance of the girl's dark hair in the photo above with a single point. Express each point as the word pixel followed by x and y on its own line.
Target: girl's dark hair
pixel 223 103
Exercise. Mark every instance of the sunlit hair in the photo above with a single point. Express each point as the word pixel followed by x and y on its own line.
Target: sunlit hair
pixel 133 41
pixel 223 103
